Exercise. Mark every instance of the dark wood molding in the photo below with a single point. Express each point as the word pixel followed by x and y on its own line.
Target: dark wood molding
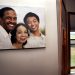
pixel 65 48
pixel 71 13
pixel 66 52
pixel 64 5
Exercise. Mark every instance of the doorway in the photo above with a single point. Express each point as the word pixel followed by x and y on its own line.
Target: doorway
pixel 68 40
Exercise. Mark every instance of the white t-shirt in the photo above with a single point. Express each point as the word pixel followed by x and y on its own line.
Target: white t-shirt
pixel 5 42
pixel 35 41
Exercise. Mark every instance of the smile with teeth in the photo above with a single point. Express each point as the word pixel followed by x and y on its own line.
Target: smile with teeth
pixel 11 25
pixel 34 27
pixel 22 39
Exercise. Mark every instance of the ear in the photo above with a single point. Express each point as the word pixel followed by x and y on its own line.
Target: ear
pixel 1 21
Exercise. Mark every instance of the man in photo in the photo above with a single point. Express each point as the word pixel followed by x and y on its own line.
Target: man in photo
pixel 36 38
pixel 8 21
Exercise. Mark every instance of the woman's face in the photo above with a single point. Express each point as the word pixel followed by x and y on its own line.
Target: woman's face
pixel 21 34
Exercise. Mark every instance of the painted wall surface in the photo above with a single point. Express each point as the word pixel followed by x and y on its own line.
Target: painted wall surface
pixel 34 61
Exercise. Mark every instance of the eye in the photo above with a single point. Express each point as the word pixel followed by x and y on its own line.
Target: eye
pixel 19 32
pixel 8 18
pixel 34 21
pixel 15 18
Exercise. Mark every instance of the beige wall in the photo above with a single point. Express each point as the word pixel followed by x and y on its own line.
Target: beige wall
pixel 34 61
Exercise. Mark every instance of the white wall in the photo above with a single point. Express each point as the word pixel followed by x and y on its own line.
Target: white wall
pixel 34 61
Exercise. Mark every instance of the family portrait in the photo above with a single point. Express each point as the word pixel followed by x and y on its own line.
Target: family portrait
pixel 22 27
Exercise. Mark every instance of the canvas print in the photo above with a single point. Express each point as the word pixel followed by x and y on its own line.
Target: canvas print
pixel 22 27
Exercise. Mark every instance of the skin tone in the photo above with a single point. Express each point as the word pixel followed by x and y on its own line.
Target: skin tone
pixel 21 36
pixel 9 20
pixel 33 25
pixel 0 21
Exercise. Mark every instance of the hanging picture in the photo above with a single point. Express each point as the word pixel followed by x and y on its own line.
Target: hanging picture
pixel 22 27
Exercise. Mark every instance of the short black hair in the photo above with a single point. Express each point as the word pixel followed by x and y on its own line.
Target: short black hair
pixel 3 10
pixel 13 33
pixel 30 14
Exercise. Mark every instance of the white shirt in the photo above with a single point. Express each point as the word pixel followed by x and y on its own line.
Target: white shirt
pixel 5 42
pixel 35 41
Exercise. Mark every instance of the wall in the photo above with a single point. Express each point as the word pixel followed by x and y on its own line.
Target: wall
pixel 34 61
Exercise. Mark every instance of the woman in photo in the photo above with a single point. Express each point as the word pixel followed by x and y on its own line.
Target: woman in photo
pixel 19 36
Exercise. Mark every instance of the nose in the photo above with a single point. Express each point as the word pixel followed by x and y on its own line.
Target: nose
pixel 24 34
pixel 32 24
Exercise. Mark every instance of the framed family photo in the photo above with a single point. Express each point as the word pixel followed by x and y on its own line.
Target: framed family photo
pixel 22 27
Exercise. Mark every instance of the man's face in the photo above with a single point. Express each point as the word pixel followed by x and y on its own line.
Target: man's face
pixel 9 20
pixel 33 24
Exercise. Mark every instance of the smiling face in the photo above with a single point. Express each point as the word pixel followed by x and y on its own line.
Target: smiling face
pixel 33 24
pixel 21 34
pixel 9 20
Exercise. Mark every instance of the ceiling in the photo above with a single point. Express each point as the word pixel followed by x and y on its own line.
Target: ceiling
pixel 70 7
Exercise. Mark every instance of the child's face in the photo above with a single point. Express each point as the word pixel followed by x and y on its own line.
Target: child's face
pixel 21 34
